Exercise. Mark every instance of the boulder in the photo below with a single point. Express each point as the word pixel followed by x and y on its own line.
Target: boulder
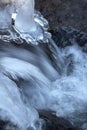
pixel 52 122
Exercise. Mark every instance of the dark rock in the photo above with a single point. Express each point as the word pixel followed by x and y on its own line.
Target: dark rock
pixel 64 36
pixel 64 13
pixel 7 125
pixel 2 124
pixel 85 48
pixel 52 122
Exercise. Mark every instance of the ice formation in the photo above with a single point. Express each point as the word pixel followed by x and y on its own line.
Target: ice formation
pixel 5 14
pixel 26 25
pixel 25 16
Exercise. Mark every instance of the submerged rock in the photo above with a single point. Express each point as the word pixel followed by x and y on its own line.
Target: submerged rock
pixel 52 122
pixel 6 125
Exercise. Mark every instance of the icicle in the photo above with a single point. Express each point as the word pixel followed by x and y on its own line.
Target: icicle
pixel 25 17
pixel 5 14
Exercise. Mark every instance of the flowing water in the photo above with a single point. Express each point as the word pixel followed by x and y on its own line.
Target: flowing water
pixel 42 77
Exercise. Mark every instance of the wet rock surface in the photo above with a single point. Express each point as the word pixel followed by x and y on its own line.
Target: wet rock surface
pixel 52 122
pixel 65 36
pixel 7 125
pixel 64 13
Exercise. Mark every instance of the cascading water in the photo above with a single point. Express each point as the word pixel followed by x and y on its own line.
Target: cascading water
pixel 38 77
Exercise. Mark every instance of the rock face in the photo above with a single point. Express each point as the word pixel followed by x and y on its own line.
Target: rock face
pixel 65 36
pixel 6 125
pixel 52 122
pixel 64 12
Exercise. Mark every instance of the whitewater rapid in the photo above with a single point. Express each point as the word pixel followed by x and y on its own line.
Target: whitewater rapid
pixel 29 81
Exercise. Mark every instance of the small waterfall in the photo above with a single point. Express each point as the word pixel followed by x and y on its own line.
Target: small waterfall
pixel 38 77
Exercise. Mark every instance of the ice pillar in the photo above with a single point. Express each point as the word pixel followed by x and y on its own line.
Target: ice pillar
pixel 5 14
pixel 25 16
